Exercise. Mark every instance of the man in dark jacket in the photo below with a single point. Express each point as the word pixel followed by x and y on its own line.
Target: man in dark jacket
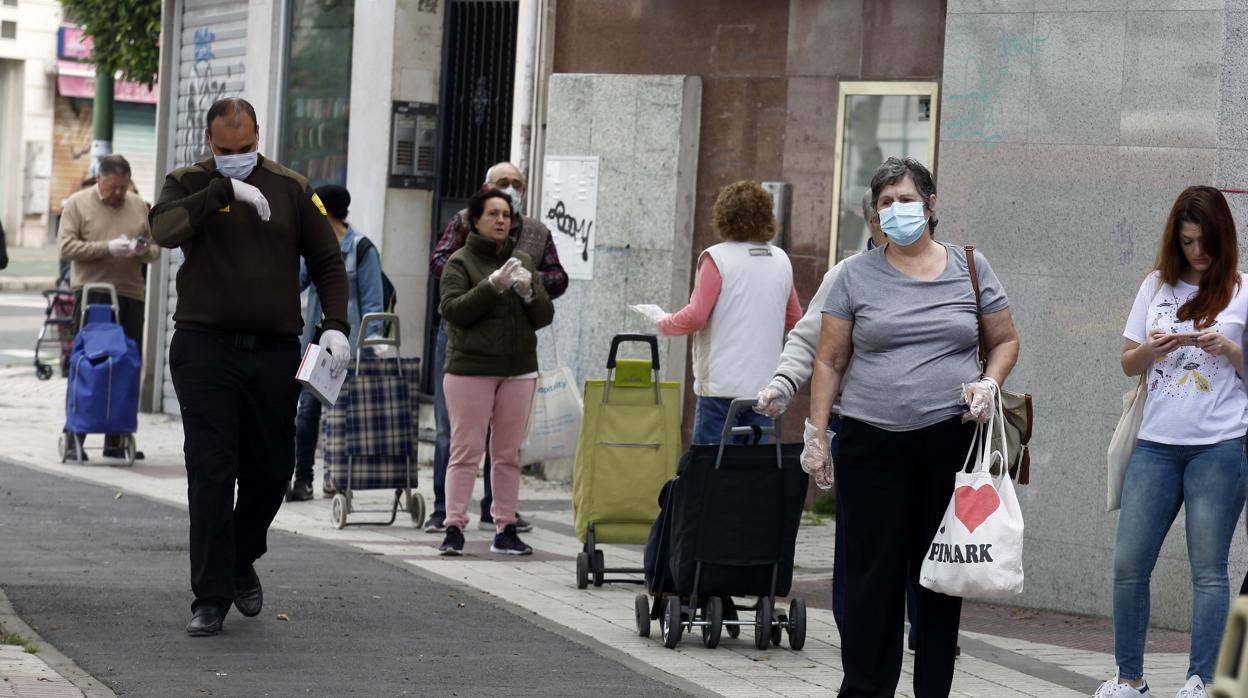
pixel 531 237
pixel 242 222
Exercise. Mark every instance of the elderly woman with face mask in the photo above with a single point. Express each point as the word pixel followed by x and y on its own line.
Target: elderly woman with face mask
pixel 906 313
pixel 493 303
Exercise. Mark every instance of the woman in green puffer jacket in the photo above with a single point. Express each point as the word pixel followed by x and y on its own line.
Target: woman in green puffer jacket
pixel 493 310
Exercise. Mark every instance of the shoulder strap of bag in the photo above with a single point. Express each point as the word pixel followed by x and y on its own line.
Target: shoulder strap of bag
pixel 979 312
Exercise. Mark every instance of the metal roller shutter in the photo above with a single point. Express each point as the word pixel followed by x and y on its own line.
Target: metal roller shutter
pixel 210 65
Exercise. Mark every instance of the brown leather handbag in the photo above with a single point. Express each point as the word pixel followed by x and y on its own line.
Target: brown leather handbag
pixel 1016 406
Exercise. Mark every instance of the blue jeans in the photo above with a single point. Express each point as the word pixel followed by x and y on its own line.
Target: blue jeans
pixel 1208 480
pixel 709 417
pixel 442 443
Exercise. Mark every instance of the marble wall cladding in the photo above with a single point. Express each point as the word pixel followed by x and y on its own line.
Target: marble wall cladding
pixel 1124 103
pixel 644 129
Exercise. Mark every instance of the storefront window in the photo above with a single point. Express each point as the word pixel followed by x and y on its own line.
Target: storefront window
pixel 877 120
pixel 318 90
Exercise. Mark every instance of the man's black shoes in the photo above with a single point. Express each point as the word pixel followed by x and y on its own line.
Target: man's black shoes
pixel 207 621
pixel 248 596
pixel 299 492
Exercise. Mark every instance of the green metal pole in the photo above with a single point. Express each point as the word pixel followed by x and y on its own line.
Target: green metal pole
pixel 102 117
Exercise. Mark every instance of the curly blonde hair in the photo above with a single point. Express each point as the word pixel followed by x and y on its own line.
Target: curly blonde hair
pixel 743 213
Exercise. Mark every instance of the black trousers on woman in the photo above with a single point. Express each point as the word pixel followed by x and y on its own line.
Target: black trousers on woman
pixel 894 488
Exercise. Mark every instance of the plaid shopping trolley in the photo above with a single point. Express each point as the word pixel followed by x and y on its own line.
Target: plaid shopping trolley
pixel 370 432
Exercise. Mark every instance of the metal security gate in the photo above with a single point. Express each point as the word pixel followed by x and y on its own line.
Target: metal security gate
pixel 478 76
pixel 210 66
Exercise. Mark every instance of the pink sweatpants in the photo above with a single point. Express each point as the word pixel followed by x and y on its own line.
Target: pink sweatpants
pixel 474 403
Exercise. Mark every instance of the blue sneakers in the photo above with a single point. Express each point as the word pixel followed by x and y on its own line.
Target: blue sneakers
pixel 508 543
pixel 453 543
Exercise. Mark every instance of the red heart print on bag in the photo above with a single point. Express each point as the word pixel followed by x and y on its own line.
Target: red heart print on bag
pixel 973 506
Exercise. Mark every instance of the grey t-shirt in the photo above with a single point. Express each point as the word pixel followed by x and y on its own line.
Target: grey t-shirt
pixel 915 342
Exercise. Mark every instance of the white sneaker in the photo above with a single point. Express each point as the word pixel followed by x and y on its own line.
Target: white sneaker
pixel 1195 688
pixel 1113 689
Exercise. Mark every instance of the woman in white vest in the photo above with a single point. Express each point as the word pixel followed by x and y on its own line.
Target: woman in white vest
pixel 743 302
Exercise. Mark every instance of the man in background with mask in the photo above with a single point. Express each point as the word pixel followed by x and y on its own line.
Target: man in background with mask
pixel 532 237
pixel 242 222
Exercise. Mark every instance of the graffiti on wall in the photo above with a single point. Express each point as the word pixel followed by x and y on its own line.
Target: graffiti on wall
pixel 975 111
pixel 209 82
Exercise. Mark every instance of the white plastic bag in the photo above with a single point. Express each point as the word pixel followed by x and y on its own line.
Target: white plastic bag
pixel 555 418
pixel 978 549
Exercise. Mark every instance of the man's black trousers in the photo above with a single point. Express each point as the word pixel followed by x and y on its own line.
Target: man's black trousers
pixel 893 490
pixel 238 395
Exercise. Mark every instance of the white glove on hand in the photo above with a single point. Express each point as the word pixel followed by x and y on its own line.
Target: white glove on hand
pixel 650 312
pixel 381 351
pixel 339 349
pixel 817 455
pixel 251 196
pixel 980 399
pixel 522 282
pixel 502 277
pixel 775 398
pixel 120 247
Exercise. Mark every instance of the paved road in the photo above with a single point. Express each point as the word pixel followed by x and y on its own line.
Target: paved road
pixel 21 316
pixel 104 579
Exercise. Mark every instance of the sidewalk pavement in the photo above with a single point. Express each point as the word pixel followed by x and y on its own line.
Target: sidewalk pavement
pixel 1006 652
pixel 30 269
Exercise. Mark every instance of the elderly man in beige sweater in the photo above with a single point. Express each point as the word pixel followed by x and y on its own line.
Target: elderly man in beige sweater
pixel 104 234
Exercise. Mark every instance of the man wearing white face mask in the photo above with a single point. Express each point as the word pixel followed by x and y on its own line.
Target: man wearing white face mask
pixel 533 238
pixel 242 222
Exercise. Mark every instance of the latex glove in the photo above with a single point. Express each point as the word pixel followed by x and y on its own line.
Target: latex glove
pixel 381 351
pixel 501 278
pixel 980 400
pixel 120 247
pixel 817 455
pixel 650 312
pixel 339 349
pixel 522 282
pixel 775 398
pixel 251 196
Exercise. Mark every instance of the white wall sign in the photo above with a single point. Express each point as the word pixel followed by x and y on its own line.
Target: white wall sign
pixel 569 209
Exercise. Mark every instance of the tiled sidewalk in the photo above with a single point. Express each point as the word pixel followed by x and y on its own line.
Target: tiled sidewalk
pixel 1006 652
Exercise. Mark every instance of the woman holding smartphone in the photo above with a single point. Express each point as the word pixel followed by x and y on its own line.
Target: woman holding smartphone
pixel 1186 332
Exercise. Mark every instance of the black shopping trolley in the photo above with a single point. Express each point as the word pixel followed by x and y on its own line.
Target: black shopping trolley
pixel 57 328
pixel 370 432
pixel 729 528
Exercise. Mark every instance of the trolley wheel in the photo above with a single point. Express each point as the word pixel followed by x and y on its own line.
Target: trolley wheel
pixel 43 371
pixel 730 613
pixel 416 507
pixel 714 628
pixel 338 511
pixel 582 570
pixel 599 566
pixel 777 629
pixel 672 625
pixel 78 448
pixel 762 624
pixel 62 448
pixel 797 624
pixel 130 448
pixel 641 611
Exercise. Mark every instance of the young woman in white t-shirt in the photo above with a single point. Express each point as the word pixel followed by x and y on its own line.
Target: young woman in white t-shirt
pixel 1186 332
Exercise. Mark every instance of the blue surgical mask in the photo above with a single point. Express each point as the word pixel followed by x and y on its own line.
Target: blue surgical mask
pixel 903 222
pixel 236 166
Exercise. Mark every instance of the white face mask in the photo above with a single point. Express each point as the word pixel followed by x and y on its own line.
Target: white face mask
pixel 236 166
pixel 517 201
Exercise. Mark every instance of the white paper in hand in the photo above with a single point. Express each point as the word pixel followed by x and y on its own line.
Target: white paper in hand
pixel 314 372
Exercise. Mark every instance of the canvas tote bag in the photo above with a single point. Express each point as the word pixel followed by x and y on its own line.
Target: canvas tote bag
pixel 1122 443
pixel 978 549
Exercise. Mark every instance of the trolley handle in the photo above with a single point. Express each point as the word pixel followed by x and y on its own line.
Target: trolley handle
pixel 735 408
pixel 375 341
pixel 650 339
pixel 110 289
